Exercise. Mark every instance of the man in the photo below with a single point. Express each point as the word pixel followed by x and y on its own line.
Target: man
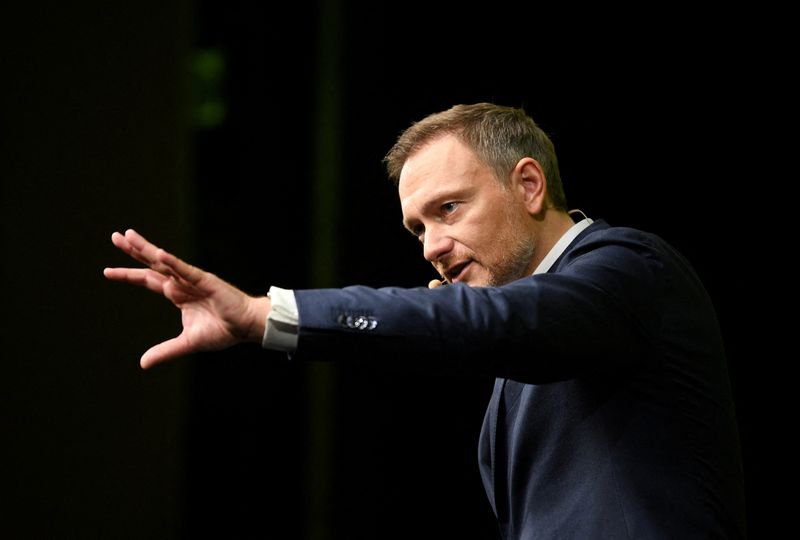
pixel 611 415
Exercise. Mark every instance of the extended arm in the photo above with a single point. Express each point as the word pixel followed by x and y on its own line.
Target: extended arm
pixel 214 313
pixel 596 312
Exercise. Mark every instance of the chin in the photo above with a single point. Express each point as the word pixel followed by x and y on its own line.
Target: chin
pixel 478 282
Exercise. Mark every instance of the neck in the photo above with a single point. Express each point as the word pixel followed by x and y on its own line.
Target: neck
pixel 550 229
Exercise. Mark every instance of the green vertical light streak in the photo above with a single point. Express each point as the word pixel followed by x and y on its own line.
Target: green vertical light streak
pixel 325 211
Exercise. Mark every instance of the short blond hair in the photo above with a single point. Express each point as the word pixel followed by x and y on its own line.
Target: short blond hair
pixel 500 136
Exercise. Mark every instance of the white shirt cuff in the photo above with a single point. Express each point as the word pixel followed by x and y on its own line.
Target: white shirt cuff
pixel 281 329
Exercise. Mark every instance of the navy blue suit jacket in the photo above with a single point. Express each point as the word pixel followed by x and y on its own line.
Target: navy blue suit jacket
pixel 612 414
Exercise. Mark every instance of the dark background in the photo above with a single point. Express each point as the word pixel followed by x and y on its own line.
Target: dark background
pixel 668 120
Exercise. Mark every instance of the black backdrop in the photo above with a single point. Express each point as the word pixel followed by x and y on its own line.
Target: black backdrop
pixel 663 120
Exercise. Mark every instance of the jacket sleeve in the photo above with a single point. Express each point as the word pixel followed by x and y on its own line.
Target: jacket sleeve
pixel 596 312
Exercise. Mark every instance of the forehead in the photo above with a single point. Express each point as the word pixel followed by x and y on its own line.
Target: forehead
pixel 445 164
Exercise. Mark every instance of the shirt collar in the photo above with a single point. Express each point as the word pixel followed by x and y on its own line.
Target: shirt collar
pixel 561 245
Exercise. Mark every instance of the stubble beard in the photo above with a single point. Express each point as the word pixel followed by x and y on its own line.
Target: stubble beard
pixel 514 262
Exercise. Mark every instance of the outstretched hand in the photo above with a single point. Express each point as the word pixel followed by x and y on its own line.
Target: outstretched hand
pixel 215 314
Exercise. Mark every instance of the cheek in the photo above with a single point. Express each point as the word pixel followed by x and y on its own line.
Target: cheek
pixel 486 231
pixel 482 240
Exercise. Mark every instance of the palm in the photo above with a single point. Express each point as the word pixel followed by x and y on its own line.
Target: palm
pixel 202 316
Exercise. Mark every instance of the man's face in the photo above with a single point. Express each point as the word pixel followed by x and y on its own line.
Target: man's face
pixel 473 229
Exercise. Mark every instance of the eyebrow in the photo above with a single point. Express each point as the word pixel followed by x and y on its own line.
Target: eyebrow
pixel 436 200
pixel 426 206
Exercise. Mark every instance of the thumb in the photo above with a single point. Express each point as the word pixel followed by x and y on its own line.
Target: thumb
pixel 168 350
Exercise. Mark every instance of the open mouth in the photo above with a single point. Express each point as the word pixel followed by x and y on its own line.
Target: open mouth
pixel 455 273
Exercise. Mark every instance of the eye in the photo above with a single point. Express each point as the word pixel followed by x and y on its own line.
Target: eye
pixel 449 208
pixel 418 231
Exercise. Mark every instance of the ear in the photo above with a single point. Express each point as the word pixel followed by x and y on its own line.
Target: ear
pixel 529 181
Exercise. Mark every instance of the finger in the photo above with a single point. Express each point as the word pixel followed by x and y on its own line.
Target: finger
pixel 180 268
pixel 143 250
pixel 123 244
pixel 161 260
pixel 165 351
pixel 143 277
pixel 139 242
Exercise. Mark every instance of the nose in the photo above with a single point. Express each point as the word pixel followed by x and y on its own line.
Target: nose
pixel 436 244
